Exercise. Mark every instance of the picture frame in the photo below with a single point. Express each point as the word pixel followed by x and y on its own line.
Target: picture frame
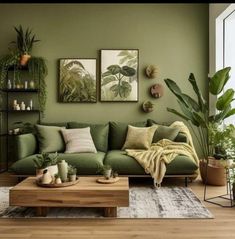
pixel 119 75
pixel 77 80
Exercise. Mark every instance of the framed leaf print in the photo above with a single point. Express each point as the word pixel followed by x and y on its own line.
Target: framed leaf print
pixel 77 80
pixel 119 75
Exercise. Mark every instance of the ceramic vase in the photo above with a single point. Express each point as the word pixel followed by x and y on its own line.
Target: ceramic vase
pixel 53 169
pixel 58 181
pixel 46 177
pixel 63 170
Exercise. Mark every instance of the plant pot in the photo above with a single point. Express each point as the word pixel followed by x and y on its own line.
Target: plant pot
pixel 24 59
pixel 72 178
pixel 53 169
pixel 216 176
pixel 107 173
pixel 39 172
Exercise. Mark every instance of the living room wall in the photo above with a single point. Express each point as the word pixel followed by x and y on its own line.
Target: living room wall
pixel 172 36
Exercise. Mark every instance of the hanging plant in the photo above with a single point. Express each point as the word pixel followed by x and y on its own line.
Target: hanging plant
pixel 38 71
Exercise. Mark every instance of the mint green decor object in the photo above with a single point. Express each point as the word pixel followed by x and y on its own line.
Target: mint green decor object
pixel 50 139
pixel 118 132
pixel 63 170
pixel 165 132
pixel 99 133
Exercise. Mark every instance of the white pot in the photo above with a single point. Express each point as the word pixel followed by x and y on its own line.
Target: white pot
pixel 72 178
pixel 53 169
pixel 107 173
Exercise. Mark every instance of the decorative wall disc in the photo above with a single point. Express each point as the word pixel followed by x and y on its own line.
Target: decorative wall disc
pixel 156 90
pixel 151 71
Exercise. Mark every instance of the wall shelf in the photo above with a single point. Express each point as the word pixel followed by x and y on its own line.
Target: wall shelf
pixel 20 90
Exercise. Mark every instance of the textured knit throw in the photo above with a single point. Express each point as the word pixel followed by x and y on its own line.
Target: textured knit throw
pixel 163 152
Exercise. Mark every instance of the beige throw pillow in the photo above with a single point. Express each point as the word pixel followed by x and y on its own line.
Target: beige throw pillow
pixel 139 137
pixel 78 140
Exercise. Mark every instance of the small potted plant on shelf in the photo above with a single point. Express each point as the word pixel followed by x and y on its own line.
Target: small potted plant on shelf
pixel 46 161
pixel 24 43
pixel 72 173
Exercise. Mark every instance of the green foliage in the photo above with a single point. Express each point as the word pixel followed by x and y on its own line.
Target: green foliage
pixel 128 58
pixel 196 112
pixel 76 83
pixel 25 40
pixel 72 170
pixel 221 140
pixel 38 71
pixel 45 159
pixel 102 169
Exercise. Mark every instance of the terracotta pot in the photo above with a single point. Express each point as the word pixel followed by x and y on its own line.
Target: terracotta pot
pixel 216 176
pixel 24 59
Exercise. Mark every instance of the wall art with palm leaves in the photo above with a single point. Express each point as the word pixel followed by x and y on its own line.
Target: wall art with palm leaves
pixel 119 75
pixel 77 80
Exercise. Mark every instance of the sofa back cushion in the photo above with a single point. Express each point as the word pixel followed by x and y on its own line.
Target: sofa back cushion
pixel 50 138
pixel 118 132
pixel 60 124
pixel 99 133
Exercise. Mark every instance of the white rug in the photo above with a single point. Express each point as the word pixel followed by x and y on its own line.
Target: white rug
pixel 145 202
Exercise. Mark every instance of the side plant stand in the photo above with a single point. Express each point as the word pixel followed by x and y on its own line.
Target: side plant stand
pixel 229 171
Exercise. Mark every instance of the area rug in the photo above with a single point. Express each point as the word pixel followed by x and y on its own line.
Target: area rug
pixel 145 202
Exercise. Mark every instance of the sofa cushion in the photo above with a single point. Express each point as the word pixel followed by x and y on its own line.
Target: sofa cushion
pixel 165 132
pixel 86 163
pixel 50 138
pixel 60 124
pixel 99 133
pixel 118 132
pixel 181 165
pixel 122 163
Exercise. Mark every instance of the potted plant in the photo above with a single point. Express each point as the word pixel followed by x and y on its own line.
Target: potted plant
pixel 148 106
pixel 196 112
pixel 107 171
pixel 46 161
pixel 72 173
pixel 24 43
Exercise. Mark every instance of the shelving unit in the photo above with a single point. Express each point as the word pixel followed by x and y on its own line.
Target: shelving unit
pixel 8 114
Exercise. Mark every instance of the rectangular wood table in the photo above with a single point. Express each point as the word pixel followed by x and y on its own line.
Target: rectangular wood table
pixel 86 193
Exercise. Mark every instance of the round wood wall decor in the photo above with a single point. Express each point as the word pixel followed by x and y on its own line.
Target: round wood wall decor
pixel 156 90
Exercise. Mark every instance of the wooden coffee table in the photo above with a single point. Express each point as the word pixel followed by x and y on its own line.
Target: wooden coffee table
pixel 86 193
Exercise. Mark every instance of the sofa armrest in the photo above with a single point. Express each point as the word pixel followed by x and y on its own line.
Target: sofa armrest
pixel 181 138
pixel 26 144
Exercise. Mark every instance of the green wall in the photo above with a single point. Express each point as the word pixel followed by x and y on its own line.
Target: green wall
pixel 172 36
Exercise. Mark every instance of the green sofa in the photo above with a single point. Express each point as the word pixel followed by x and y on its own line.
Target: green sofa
pixel 108 139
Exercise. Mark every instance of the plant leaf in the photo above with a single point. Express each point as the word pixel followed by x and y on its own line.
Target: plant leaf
pixel 230 113
pixel 218 80
pixel 114 69
pixel 225 99
pixel 177 113
pixel 106 80
pixel 125 89
pixel 128 71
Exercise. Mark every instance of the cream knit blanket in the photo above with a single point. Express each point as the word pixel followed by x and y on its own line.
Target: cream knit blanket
pixel 163 152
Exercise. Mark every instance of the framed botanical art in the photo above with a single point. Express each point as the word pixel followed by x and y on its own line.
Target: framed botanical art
pixel 119 75
pixel 77 80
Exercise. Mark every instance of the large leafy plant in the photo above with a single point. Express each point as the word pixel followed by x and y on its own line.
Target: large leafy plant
pixel 196 112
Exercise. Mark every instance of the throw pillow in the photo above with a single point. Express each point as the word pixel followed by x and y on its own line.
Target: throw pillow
pixel 49 138
pixel 99 133
pixel 165 132
pixel 118 132
pixel 139 137
pixel 78 141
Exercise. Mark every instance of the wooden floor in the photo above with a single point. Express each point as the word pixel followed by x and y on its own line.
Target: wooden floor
pixel 223 226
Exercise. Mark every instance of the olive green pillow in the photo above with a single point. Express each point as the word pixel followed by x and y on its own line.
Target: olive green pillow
pixel 165 132
pixel 50 138
pixel 139 137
